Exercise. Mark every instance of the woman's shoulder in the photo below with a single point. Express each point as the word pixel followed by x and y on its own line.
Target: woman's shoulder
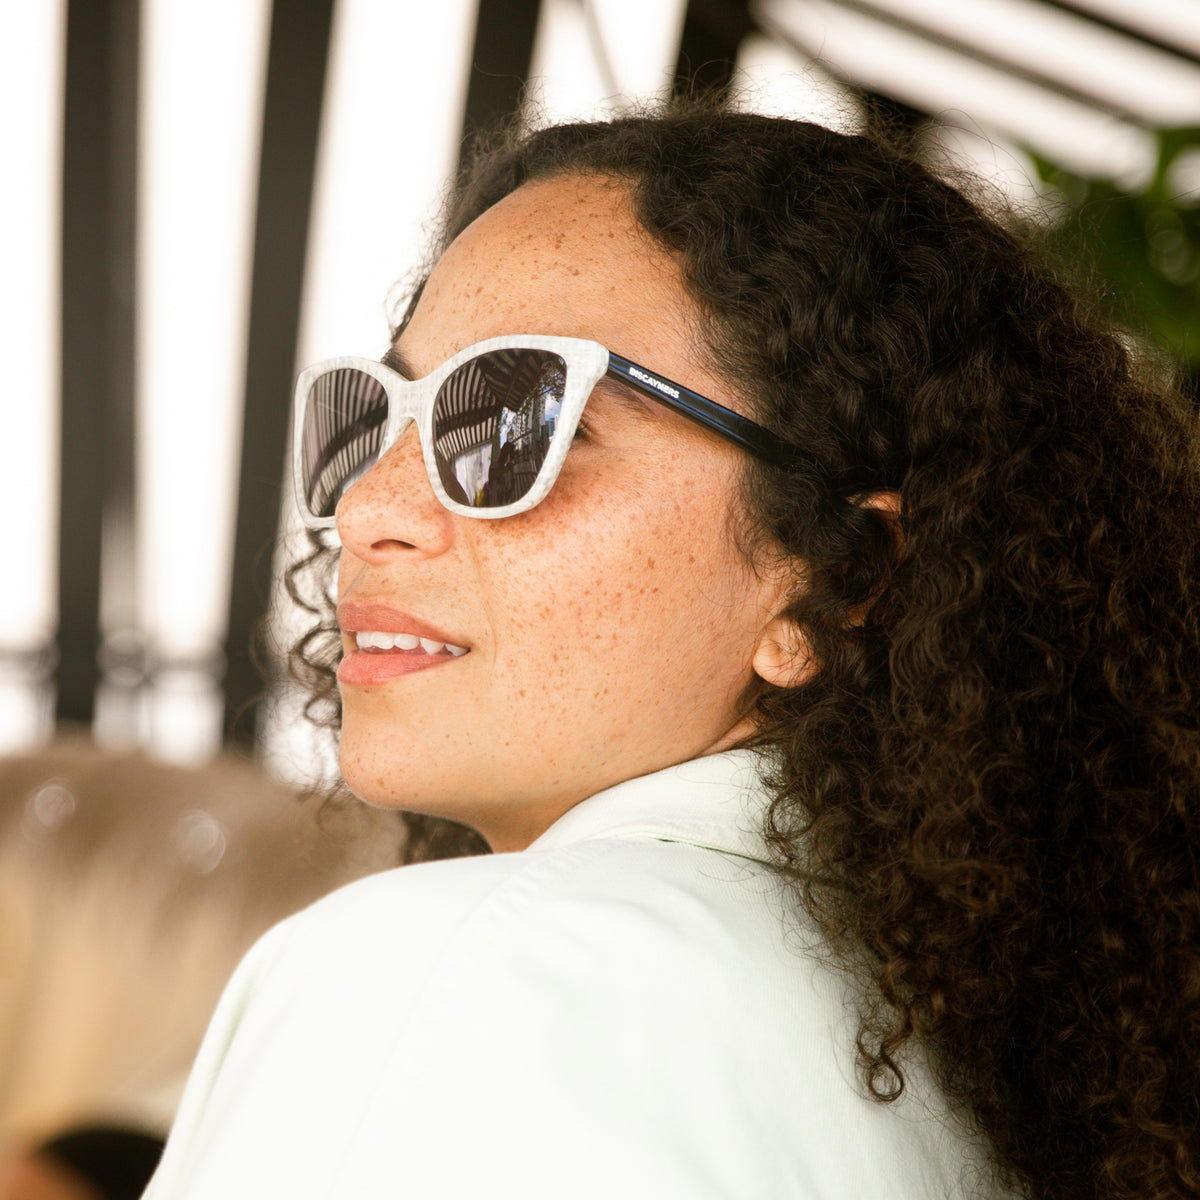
pixel 675 936
pixel 611 949
pixel 610 888
pixel 635 850
pixel 638 1001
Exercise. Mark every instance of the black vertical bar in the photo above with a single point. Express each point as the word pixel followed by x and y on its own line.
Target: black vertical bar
pixel 712 33
pixel 500 61
pixel 98 213
pixel 296 65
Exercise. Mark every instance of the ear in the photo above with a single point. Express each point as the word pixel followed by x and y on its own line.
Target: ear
pixel 782 656
pixel 891 506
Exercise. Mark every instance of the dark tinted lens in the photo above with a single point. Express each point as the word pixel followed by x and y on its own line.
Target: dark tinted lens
pixel 492 424
pixel 344 421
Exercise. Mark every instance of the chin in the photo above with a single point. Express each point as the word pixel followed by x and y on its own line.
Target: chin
pixel 386 780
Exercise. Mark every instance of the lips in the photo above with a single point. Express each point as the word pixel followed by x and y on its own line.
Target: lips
pixel 389 642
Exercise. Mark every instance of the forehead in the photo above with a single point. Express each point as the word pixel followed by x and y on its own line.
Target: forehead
pixel 563 256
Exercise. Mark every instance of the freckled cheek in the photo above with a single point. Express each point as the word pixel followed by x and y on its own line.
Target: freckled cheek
pixel 618 567
pixel 555 604
pixel 588 617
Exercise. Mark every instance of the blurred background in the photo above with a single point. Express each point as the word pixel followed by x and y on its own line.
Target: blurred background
pixel 198 199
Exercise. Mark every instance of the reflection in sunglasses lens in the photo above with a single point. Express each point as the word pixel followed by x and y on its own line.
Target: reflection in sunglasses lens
pixel 494 420
pixel 343 428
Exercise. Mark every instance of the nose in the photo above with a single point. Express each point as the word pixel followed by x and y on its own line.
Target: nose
pixel 392 509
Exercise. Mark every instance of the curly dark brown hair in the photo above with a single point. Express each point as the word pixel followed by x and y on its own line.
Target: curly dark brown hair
pixel 989 794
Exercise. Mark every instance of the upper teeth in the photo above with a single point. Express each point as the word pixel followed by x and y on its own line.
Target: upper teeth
pixel 373 640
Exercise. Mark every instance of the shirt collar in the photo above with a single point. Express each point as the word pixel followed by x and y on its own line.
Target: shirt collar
pixel 717 802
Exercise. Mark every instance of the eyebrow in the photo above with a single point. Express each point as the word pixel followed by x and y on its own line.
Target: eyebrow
pixel 627 397
pixel 394 359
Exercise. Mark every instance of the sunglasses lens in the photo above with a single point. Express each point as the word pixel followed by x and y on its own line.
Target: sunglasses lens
pixel 344 421
pixel 493 422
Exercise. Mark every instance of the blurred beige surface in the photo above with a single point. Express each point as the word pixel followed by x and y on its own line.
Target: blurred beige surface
pixel 128 892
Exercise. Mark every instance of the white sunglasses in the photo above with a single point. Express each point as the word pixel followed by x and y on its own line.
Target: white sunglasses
pixel 495 421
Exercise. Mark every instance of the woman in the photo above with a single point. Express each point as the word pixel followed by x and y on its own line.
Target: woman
pixel 843 732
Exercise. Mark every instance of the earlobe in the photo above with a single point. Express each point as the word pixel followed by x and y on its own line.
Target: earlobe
pixel 782 656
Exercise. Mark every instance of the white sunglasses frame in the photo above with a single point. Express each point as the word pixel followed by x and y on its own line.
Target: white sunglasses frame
pixel 413 399
pixel 586 364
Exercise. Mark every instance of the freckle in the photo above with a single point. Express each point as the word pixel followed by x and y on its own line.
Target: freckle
pixel 691 558
pixel 650 563
pixel 521 693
